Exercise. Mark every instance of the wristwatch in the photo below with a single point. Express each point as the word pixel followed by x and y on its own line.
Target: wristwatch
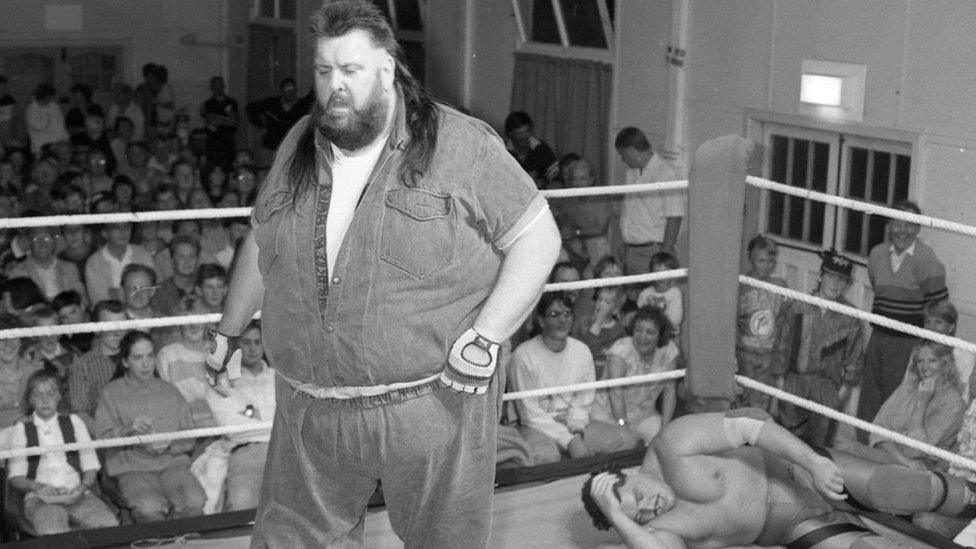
pixel 622 422
pixel 248 411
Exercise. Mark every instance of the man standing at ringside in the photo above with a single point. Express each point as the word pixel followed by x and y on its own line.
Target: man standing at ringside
pixel 395 244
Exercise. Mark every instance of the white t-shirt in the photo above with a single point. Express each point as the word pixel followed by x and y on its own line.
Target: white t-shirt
pixel 349 177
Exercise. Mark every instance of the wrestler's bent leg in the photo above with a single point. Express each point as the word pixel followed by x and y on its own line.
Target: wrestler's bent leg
pixel 317 477
pixel 439 468
pixel 900 490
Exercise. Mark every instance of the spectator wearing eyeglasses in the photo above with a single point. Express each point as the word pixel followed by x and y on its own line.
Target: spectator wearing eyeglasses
pixel 560 423
pixel 51 274
pixel 103 269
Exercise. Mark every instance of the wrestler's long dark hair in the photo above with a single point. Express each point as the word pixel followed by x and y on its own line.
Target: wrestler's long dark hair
pixel 422 114
pixel 600 520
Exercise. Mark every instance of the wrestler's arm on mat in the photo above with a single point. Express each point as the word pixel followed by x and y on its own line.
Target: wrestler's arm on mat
pixel 524 271
pixel 246 291
pixel 698 434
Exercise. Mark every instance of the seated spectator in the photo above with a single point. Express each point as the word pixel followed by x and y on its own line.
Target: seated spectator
pixel 244 181
pixel 566 272
pixel 57 485
pixel 760 317
pixel 137 168
pixel 81 107
pixel 70 308
pixel 602 327
pixel 48 349
pixel 94 369
pixel 103 269
pixel 52 274
pixel 214 181
pixel 941 316
pixel 99 180
pixel 561 422
pixel 94 139
pixel 649 349
pixel 823 352
pixel 664 294
pixel 584 221
pixel 154 478
pixel 124 129
pixel 212 286
pixel 19 294
pixel 185 253
pixel 533 154
pixel 183 363
pixel 15 368
pixel 77 247
pixel 36 196
pixel 123 193
pixel 138 288
pixel 927 406
pixel 251 400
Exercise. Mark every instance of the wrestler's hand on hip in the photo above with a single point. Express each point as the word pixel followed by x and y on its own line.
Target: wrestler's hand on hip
pixel 223 362
pixel 827 477
pixel 471 363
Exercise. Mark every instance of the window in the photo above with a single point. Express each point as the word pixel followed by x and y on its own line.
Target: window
pixel 566 24
pixel 861 168
pixel 274 9
pixel 407 19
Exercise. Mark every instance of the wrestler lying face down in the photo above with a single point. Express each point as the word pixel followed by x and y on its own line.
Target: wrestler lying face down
pixel 738 478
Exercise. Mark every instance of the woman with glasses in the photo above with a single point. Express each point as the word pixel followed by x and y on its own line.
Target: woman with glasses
pixel 557 424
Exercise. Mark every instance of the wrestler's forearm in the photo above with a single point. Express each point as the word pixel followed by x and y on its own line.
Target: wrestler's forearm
pixel 524 271
pixel 246 291
pixel 635 536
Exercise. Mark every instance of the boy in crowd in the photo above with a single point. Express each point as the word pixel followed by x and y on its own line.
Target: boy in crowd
pixel 57 484
pixel 70 309
pixel 759 320
pixel 92 370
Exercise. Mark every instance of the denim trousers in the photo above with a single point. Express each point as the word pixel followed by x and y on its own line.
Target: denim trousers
pixel 432 449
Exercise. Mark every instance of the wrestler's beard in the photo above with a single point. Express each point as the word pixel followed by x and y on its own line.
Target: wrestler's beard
pixel 357 127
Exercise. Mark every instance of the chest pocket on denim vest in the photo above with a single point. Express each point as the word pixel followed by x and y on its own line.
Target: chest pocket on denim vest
pixel 418 231
pixel 268 215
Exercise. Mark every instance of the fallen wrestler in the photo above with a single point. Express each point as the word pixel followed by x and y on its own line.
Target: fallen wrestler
pixel 739 479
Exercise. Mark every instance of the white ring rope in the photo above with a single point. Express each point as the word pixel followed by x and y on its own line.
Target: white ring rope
pixel 593 385
pixel 266 425
pixel 940 453
pixel 121 217
pixel 616 189
pixel 216 213
pixel 861 206
pixel 213 318
pixel 859 314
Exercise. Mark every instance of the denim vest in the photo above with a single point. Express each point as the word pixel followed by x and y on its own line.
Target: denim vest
pixel 414 269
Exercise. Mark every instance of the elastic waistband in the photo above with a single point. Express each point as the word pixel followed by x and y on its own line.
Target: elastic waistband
pixel 394 394
pixel 650 243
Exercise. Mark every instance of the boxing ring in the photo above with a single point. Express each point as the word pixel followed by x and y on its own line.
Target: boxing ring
pixel 549 514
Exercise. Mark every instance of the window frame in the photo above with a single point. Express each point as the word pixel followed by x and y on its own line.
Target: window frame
pixel 757 128
pixel 564 48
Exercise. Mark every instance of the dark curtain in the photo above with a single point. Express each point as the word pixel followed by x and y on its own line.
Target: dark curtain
pixel 569 101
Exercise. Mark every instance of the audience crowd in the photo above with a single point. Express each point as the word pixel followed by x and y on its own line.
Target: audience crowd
pixel 140 153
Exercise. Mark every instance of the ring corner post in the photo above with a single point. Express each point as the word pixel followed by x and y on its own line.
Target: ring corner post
pixel 716 194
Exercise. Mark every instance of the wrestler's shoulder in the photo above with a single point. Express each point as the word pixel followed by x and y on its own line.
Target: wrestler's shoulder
pixel 453 120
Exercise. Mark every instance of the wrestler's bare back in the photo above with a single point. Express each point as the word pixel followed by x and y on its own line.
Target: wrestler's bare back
pixel 721 499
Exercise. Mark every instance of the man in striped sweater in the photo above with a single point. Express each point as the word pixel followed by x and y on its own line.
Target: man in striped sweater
pixel 905 274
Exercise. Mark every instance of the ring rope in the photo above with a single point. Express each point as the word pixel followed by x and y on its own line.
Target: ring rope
pixel 215 213
pixel 660 186
pixel 266 425
pixel 861 315
pixel 940 453
pixel 862 206
pixel 212 318
pixel 121 217
pixel 593 385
